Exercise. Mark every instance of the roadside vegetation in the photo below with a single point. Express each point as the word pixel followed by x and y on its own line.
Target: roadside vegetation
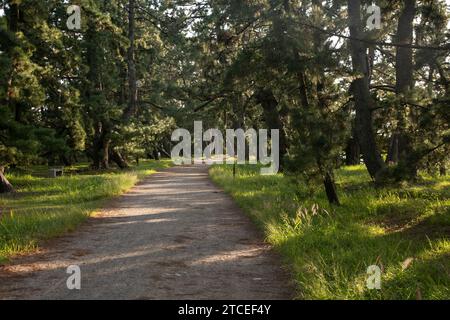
pixel 43 208
pixel 323 73
pixel 405 230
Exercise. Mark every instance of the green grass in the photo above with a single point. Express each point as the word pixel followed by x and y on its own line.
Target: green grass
pixel 44 208
pixel 330 248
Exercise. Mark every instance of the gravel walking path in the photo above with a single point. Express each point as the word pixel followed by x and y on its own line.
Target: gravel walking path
pixel 173 236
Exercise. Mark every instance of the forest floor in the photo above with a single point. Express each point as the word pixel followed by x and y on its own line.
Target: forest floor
pixel 173 236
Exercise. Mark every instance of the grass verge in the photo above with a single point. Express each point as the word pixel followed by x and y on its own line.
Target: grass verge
pixel 44 208
pixel 405 231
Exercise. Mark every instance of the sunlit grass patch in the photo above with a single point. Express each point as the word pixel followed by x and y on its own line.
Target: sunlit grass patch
pixel 329 250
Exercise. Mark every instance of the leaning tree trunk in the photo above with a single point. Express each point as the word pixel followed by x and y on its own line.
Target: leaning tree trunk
pixel 117 157
pixel 360 90
pixel 330 189
pixel 5 186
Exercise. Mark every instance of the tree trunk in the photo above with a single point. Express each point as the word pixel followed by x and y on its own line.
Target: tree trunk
pixel 133 91
pixel 330 189
pixel 13 27
pixel 122 95
pixel 105 154
pixel 5 186
pixel 101 151
pixel 404 83
pixel 117 157
pixel 272 117
pixel 404 78
pixel 352 153
pixel 361 93
pixel 404 55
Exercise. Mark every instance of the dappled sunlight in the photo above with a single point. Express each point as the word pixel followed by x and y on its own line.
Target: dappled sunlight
pixel 222 257
pixel 161 220
pixel 330 254
pixel 97 259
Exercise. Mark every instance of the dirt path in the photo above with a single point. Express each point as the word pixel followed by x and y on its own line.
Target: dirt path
pixel 174 236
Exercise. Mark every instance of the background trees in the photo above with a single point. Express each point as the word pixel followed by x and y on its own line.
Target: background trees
pixel 114 90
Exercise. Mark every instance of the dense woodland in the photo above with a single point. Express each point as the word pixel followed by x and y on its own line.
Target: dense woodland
pixel 113 92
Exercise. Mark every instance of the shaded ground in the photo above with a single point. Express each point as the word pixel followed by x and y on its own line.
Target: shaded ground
pixel 174 236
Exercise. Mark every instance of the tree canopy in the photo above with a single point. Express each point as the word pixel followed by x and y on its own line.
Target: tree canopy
pixel 114 90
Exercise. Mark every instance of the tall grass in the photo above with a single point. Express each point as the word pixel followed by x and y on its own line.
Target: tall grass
pixel 404 230
pixel 44 208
